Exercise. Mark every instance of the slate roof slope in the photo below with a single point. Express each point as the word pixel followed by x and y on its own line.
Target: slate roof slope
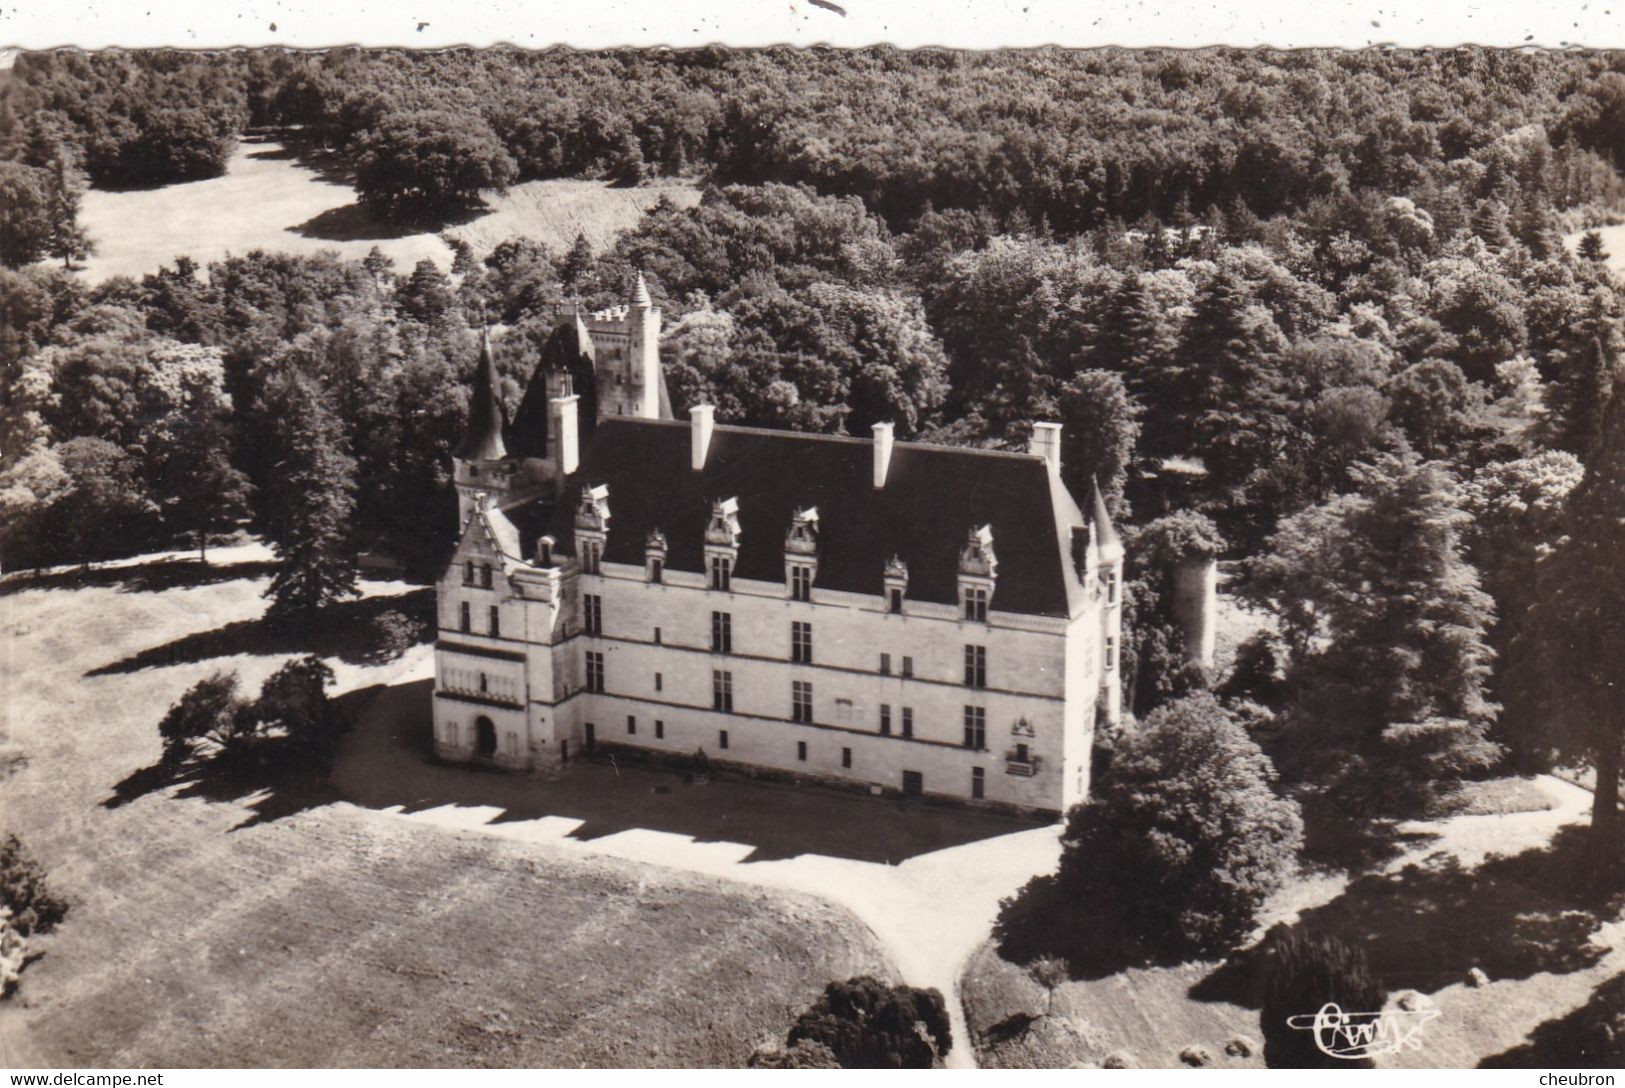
pixel 933 496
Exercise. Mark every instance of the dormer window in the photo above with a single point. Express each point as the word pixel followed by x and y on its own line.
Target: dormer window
pixel 544 551
pixel 801 554
pixel 592 527
pixel 896 584
pixel 978 569
pixel 654 556
pixel 722 543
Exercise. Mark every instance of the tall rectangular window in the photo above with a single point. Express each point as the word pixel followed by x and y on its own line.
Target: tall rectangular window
pixel 800 582
pixel 468 572
pixel 463 620
pixel 908 721
pixel 721 572
pixel 975 727
pixel 1111 651
pixel 908 666
pixel 660 729
pixel 496 621
pixel 885 719
pixel 722 633
pixel 976 603
pixel 657 570
pixel 801 750
pixel 976 666
pixel 1113 587
pixel 660 682
pixel 846 757
pixel 885 664
pixel 722 738
pixel 801 701
pixel 978 783
pixel 632 725
pixel 801 642
pixel 657 636
pixel 595 671
pixel 722 690
pixel 592 613
pixel 485 575
pixel 591 556
pixel 894 598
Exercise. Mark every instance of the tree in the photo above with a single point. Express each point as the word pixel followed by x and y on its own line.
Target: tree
pixel 425 295
pixel 105 512
pixel 576 265
pixel 1384 626
pixel 867 1024
pixel 198 486
pixel 1181 842
pixel 1156 664
pixel 309 504
pixel 34 909
pixel 25 234
pixel 1591 247
pixel 429 163
pixel 209 709
pixel 66 240
pixel 1101 424
pixel 1564 659
pixel 1298 974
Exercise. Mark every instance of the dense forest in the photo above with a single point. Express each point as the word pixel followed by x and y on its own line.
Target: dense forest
pixel 1311 311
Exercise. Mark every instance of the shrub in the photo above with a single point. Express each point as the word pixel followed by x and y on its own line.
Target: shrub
pixel 394 633
pixel 24 892
pixel 1300 973
pixel 206 710
pixel 866 1024
pixel 294 698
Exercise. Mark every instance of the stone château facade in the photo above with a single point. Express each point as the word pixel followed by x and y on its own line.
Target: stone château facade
pixel 883 614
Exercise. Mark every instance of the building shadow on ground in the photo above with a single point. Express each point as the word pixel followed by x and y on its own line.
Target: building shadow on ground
pixel 152 577
pixel 346 631
pixel 1592 1035
pixel 1428 925
pixel 387 762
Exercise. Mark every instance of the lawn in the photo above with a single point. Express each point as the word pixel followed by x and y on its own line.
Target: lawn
pixel 275 925
pixel 1501 889
pixel 270 199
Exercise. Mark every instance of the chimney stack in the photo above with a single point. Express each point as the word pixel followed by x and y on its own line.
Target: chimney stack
pixel 567 430
pixel 1046 443
pixel 883 443
pixel 702 421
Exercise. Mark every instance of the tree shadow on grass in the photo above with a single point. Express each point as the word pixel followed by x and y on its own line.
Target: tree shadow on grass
pixel 345 631
pixel 154 577
pixel 1047 920
pixel 354 223
pixel 287 780
pixel 1426 926
pixel 1591 1035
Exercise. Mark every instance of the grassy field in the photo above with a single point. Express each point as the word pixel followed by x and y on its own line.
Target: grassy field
pixel 277 926
pixel 268 199
pixel 1503 891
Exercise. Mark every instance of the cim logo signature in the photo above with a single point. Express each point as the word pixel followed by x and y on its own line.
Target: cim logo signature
pixel 1353 1036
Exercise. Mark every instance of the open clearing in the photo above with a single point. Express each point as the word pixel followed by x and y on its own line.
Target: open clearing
pixel 268 199
pixel 1492 891
pixel 283 927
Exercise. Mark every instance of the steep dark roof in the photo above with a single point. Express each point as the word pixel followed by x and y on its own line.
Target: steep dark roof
pixel 933 496
pixel 568 350
pixel 486 418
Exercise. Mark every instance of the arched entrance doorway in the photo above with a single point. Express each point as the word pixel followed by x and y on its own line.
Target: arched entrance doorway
pixel 485 737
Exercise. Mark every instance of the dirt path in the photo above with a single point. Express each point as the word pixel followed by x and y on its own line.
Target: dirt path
pixel 931 909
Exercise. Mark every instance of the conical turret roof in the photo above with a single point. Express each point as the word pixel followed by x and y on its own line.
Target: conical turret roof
pixel 486 419
pixel 1106 538
pixel 640 293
